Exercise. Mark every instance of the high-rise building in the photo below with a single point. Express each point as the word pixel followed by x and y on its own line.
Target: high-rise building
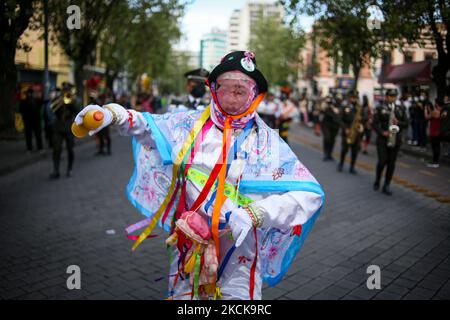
pixel 213 46
pixel 242 20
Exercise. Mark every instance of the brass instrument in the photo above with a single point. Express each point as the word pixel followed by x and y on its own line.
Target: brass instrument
pixel 357 127
pixel 65 98
pixel 393 130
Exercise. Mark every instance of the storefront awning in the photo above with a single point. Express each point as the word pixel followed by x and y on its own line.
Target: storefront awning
pixel 413 72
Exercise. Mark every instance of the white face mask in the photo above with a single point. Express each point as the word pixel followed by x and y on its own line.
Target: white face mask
pixel 235 92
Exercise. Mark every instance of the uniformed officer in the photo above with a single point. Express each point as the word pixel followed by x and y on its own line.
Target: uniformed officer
pixel 389 122
pixel 330 125
pixel 65 108
pixel 352 124
pixel 196 89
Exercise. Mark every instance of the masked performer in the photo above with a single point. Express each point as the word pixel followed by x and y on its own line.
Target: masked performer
pixel 235 199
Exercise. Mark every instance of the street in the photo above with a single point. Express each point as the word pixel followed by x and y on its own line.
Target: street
pixel 46 226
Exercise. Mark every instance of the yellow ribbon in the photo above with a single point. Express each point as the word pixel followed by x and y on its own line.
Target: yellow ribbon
pixel 175 168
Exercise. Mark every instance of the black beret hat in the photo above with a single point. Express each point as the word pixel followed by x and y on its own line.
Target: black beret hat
pixel 243 61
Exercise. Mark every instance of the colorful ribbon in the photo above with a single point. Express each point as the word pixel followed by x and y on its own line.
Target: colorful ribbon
pixel 176 166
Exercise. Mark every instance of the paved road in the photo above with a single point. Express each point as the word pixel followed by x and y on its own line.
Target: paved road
pixel 47 226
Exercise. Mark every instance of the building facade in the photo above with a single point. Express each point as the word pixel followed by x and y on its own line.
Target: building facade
pixel 242 20
pixel 321 74
pixel 213 46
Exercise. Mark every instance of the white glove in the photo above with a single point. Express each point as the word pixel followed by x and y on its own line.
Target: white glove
pixel 107 115
pixel 240 224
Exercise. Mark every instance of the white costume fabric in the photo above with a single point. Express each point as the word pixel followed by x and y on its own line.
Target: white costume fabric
pixel 281 188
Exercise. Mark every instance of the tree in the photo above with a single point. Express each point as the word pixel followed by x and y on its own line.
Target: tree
pixel 423 21
pixel 342 25
pixel 278 54
pixel 144 45
pixel 80 44
pixel 341 28
pixel 15 16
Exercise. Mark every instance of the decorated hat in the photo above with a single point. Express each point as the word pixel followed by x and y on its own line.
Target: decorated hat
pixel 391 92
pixel 197 74
pixel 243 61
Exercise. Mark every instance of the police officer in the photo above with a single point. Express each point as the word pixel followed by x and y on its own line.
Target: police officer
pixel 330 125
pixel 352 123
pixel 389 122
pixel 65 108
pixel 196 89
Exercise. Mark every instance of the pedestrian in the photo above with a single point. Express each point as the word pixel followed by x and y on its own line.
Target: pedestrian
pixel 65 107
pixel 352 127
pixel 30 108
pixel 257 185
pixel 330 127
pixel 433 115
pixel 389 123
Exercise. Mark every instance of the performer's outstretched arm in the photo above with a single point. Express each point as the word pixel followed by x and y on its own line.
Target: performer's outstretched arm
pixel 128 122
pixel 288 209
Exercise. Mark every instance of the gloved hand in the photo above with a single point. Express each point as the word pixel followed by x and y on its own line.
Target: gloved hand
pixel 240 224
pixel 107 117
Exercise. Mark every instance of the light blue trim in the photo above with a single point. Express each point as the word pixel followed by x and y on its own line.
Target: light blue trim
pixel 293 249
pixel 163 146
pixel 263 186
pixel 128 192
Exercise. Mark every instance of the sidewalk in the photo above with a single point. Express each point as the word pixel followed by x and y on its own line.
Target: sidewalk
pixel 14 155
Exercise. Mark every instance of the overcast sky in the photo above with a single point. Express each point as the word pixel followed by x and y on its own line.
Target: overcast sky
pixel 202 15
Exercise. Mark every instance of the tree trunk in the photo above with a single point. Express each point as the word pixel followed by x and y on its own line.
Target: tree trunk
pixel 356 69
pixel 439 73
pixel 78 76
pixel 8 78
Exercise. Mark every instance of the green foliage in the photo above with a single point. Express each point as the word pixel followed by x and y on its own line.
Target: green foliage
pixel 276 47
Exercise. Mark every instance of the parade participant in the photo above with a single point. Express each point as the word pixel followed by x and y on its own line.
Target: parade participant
pixel 262 192
pixel 389 122
pixel 65 108
pixel 196 89
pixel 268 109
pixel 330 125
pixel 285 115
pixel 30 108
pixel 352 124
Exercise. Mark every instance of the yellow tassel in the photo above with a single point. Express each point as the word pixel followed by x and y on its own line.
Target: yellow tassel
pixel 189 265
pixel 218 294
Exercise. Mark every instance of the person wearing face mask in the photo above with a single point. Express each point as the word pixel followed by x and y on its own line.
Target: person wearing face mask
pixel 389 123
pixel 196 89
pixel 235 199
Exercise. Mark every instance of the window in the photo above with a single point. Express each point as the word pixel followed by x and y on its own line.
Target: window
pixel 429 56
pixel 408 56
pixel 387 58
